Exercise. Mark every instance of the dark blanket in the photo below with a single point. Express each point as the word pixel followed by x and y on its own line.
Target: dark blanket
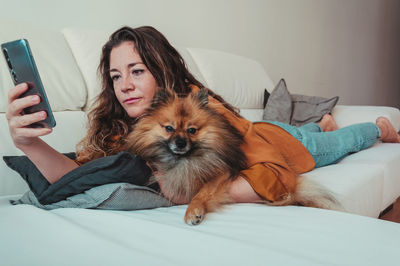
pixel 120 168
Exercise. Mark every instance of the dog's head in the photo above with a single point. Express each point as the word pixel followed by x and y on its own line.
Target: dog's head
pixel 187 134
pixel 172 122
pixel 180 119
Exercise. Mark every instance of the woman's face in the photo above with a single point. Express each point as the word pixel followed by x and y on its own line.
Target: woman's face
pixel 134 85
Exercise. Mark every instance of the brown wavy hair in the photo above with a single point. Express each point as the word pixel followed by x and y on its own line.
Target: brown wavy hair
pixel 108 123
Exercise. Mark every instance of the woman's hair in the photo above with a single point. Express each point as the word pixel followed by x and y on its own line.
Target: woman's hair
pixel 108 122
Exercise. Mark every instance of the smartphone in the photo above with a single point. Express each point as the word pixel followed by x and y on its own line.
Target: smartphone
pixel 22 68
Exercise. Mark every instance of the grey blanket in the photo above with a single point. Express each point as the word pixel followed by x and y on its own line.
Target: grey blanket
pixel 115 196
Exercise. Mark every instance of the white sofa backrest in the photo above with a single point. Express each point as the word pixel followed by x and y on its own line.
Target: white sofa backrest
pixel 60 75
pixel 68 62
pixel 239 80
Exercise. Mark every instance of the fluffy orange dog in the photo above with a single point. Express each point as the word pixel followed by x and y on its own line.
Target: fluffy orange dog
pixel 193 149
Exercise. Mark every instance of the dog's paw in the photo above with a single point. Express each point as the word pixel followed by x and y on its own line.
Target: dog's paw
pixel 195 215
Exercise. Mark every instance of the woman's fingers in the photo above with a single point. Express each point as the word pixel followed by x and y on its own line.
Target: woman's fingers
pixel 19 123
pixel 25 136
pixel 33 132
pixel 26 120
pixel 16 106
pixel 15 92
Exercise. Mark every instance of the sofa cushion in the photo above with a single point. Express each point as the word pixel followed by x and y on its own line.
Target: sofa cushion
pixel 358 188
pixel 60 75
pixel 350 114
pixel 239 80
pixel 86 46
pixel 386 156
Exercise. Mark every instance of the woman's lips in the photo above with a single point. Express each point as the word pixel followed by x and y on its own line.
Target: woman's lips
pixel 132 100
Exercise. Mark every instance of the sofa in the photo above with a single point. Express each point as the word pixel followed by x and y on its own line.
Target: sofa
pixel 365 183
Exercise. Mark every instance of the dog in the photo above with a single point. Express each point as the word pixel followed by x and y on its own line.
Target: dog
pixel 193 150
pixel 195 155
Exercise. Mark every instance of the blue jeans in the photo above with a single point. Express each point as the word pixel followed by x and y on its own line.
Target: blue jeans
pixel 330 147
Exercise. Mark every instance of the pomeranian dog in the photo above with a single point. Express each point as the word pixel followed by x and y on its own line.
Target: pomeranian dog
pixel 193 150
pixel 195 154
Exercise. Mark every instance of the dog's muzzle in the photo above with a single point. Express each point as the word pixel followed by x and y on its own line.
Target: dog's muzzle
pixel 179 146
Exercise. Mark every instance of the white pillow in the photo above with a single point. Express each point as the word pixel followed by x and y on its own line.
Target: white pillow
pixel 60 75
pixel 86 46
pixel 239 80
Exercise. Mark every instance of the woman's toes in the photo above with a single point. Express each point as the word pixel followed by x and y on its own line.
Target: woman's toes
pixel 328 123
pixel 388 133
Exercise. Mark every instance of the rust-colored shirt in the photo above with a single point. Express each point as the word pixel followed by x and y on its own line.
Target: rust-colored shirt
pixel 274 157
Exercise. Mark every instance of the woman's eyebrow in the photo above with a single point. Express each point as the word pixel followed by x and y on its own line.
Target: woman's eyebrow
pixel 129 66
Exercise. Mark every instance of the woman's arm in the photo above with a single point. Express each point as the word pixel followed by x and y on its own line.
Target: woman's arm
pixel 242 192
pixel 52 164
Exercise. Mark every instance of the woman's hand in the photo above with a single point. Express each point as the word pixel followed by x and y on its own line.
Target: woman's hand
pixel 21 134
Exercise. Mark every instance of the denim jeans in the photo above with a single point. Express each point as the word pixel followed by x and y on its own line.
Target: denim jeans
pixel 330 147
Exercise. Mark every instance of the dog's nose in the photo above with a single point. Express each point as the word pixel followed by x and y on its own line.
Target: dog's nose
pixel 180 143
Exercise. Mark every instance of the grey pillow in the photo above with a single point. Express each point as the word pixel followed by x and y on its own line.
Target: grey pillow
pixel 296 109
pixel 279 104
pixel 308 109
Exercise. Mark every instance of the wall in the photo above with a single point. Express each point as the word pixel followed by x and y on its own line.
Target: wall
pixel 349 48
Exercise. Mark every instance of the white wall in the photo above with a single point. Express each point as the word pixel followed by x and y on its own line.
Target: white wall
pixel 349 48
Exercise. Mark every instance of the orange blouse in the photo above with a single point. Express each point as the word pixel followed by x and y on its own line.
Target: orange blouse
pixel 274 157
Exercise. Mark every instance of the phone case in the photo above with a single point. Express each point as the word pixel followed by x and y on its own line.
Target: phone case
pixel 22 68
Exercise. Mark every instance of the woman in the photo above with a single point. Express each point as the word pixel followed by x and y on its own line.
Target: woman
pixel 137 62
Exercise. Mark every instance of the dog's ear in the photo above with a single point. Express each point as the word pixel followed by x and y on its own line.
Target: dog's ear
pixel 201 97
pixel 162 97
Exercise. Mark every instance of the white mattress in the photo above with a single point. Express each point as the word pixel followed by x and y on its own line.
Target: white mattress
pixel 350 184
pixel 242 234
pixel 386 156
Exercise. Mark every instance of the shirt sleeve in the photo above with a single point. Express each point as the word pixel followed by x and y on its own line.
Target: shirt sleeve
pixel 267 182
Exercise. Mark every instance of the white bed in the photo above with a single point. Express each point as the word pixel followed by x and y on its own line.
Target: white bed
pixel 242 234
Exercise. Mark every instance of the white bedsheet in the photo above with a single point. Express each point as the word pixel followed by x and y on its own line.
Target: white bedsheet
pixel 241 234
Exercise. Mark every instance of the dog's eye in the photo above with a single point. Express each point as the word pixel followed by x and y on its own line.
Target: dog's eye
pixel 169 129
pixel 191 130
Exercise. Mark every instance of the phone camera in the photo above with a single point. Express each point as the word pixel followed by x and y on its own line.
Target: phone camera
pixel 7 58
pixel 14 76
pixel 5 53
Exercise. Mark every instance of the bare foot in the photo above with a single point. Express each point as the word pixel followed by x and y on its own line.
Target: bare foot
pixel 388 133
pixel 328 123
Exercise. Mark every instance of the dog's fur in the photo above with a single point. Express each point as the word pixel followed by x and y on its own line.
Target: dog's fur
pixel 194 150
pixel 196 153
